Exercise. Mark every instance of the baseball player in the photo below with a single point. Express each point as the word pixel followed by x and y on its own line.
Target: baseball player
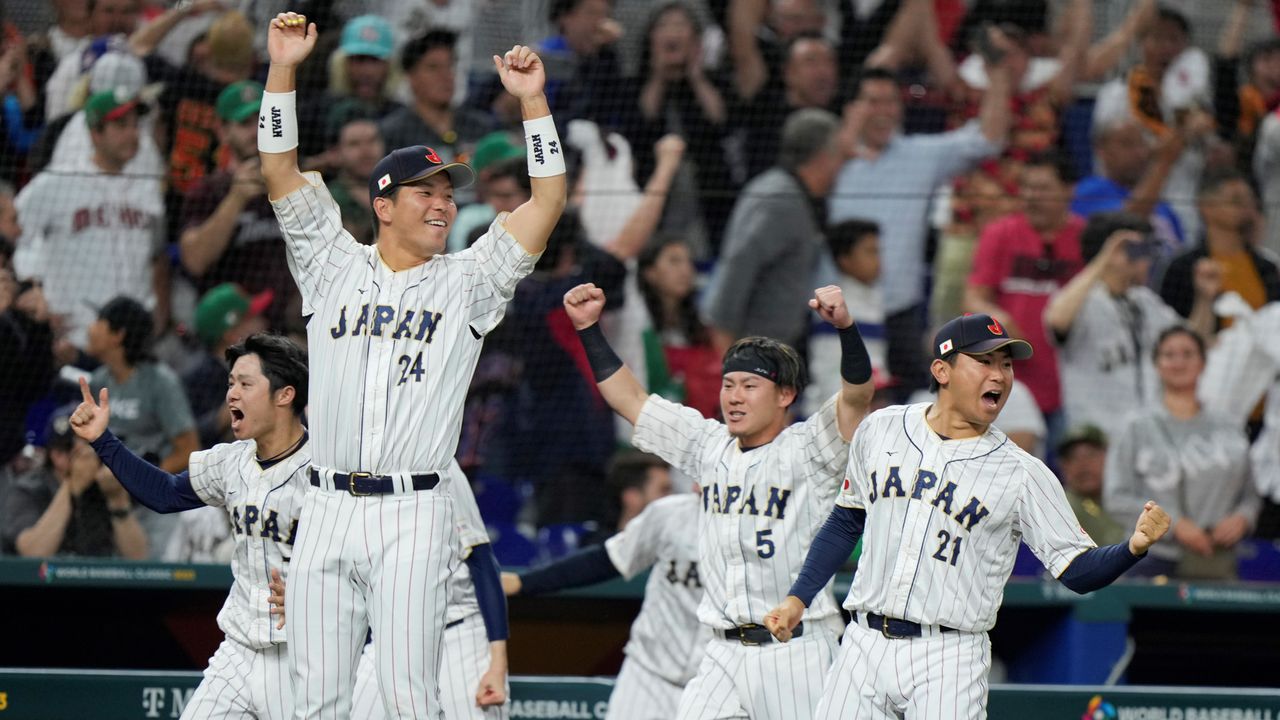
pixel 473 661
pixel 666 644
pixel 944 498
pixel 766 485
pixel 394 332
pixel 259 481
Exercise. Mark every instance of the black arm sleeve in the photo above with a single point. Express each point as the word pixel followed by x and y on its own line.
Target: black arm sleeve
pixel 487 580
pixel 586 567
pixel 831 547
pixel 855 363
pixel 1098 567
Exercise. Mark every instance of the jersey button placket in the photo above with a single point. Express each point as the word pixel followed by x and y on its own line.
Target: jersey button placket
pixel 380 361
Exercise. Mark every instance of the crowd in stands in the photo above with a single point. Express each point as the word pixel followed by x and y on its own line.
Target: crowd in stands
pixel 1102 178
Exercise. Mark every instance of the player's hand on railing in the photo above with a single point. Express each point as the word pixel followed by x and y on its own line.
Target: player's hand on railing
pixel 584 304
pixel 89 420
pixel 829 302
pixel 1152 524
pixel 276 598
pixel 290 39
pixel 783 619
pixel 510 584
pixel 521 72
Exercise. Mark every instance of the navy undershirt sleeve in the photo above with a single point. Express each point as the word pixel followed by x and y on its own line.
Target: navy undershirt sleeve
pixel 148 484
pixel 487 580
pixel 830 549
pixel 586 567
pixel 1098 567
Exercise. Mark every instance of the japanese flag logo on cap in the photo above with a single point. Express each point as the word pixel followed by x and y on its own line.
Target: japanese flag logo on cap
pixel 384 181
pixel 945 347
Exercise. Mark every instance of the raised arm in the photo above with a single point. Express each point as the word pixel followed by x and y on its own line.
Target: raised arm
pixel 856 387
pixel 620 388
pixel 524 77
pixel 1063 307
pixel 289 41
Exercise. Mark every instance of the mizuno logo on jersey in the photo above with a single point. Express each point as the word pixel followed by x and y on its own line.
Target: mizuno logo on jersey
pixel 733 501
pixel 247 523
pixel 926 483
pixel 387 320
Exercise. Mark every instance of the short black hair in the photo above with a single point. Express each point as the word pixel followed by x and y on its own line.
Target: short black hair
pixel 1214 178
pixel 1176 17
pixel 1057 160
pixel 124 314
pixel 560 8
pixel 1102 225
pixel 870 74
pixel 791 370
pixel 565 237
pixel 655 14
pixel 516 168
pixel 425 43
pixel 845 236
pixel 284 363
pixel 630 469
pixel 1178 329
pixel 804 37
pixel 1259 48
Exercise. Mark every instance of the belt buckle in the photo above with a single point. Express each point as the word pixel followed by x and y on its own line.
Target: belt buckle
pixel 351 483
pixel 884 629
pixel 742 635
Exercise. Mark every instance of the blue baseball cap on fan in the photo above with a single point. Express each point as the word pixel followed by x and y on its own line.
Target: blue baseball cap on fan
pixel 411 164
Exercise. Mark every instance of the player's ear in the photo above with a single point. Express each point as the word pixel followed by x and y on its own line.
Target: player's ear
pixel 285 395
pixel 941 371
pixel 786 396
pixel 382 208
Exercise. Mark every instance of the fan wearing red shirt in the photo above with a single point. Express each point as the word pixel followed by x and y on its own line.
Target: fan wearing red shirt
pixel 1022 260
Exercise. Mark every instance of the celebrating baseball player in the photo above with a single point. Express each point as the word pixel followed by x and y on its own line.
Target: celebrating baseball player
pixel 766 485
pixel 394 333
pixel 666 643
pixel 260 479
pixel 473 661
pixel 943 498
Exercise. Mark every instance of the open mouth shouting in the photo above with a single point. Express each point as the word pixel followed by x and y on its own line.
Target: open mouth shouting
pixel 991 399
pixel 237 418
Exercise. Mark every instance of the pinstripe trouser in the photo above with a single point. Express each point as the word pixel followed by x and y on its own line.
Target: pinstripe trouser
pixel 241 682
pixel 774 681
pixel 641 694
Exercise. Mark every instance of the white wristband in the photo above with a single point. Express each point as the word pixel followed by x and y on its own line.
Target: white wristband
pixel 278 122
pixel 542 144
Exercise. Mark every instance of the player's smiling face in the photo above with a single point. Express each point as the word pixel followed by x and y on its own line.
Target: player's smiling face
pixel 753 407
pixel 979 385
pixel 249 399
pixel 423 213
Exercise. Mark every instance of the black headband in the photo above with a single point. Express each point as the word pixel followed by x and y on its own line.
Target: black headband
pixel 751 360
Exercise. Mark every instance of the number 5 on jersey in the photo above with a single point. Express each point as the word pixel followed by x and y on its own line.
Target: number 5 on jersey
pixel 411 366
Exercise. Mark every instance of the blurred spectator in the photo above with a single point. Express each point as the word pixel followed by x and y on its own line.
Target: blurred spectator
pixel 67 33
pixel 98 233
pixel 1241 107
pixel 230 233
pixel 638 479
pixel 855 250
pixel 675 94
pixel 758 33
pixel 581 62
pixel 502 185
pixel 1195 465
pixel 149 411
pixel 110 24
pixel 224 55
pixel 1266 168
pixel 1082 458
pixel 359 148
pixel 26 358
pixel 679 360
pixel 433 120
pixel 9 229
pixel 890 181
pixel 415 17
pixel 764 279
pixel 1227 206
pixel 71 505
pixel 1170 81
pixel 20 112
pixel 224 316
pixel 1105 323
pixel 360 74
pixel 1024 259
pixel 977 200
pixel 1132 174
pixel 809 80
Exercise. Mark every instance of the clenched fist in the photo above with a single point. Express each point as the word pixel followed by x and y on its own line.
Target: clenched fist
pixel 584 304
pixel 783 619
pixel 829 303
pixel 1153 523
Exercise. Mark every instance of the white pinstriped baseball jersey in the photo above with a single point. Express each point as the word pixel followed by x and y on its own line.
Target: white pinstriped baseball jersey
pixel 666 638
pixel 944 518
pixel 264 506
pixel 760 508
pixel 471 532
pixel 391 353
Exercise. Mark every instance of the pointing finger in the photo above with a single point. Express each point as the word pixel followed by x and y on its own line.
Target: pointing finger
pixel 103 398
pixel 84 390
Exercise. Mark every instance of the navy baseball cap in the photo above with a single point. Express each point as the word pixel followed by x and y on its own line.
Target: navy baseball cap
pixel 976 335
pixel 411 164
